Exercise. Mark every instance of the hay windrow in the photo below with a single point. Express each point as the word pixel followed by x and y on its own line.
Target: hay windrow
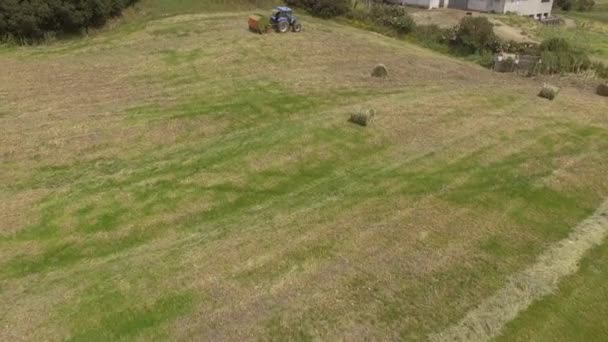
pixel 541 279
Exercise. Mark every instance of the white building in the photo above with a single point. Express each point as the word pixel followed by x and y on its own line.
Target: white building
pixel 533 8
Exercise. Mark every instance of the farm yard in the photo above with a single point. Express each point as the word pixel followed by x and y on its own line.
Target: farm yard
pixel 586 30
pixel 177 177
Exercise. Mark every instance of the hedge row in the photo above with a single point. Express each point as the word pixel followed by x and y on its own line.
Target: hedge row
pixel 322 8
pixel 30 20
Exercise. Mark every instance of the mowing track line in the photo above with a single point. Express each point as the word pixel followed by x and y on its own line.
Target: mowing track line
pixel 542 278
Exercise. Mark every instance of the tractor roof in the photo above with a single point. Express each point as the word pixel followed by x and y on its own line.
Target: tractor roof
pixel 284 9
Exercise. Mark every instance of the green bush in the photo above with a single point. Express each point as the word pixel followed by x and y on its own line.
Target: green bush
pixel 565 5
pixel 384 18
pixel 579 5
pixel 322 8
pixel 432 36
pixel 585 5
pixel 558 55
pixel 393 17
pixel 486 59
pixel 30 20
pixel 432 33
pixel 359 15
pixel 556 45
pixel 601 69
pixel 475 34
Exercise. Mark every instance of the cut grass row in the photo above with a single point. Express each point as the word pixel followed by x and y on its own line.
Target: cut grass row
pixel 574 313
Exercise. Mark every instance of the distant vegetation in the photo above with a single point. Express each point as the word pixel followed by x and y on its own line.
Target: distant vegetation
pixel 598 13
pixel 31 20
pixel 474 38
pixel 558 55
pixel 394 19
pixel 475 34
pixel 578 5
pixel 322 8
pixel 27 21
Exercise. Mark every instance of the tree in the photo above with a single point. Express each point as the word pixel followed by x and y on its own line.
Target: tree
pixel 31 19
pixel 476 34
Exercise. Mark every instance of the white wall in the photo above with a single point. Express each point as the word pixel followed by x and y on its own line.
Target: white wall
pixel 527 7
pixel 433 4
pixel 523 7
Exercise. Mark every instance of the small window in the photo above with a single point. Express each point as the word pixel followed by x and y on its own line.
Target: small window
pixel 545 0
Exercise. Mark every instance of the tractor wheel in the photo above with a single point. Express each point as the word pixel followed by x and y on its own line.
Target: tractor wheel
pixel 297 27
pixel 282 26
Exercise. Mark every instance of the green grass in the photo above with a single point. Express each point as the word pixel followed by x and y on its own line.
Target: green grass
pixel 589 39
pixel 228 196
pixel 599 12
pixel 159 8
pixel 592 28
pixel 576 312
pixel 589 33
pixel 128 324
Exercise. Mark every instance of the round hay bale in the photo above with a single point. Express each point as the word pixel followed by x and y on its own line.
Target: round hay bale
pixel 549 92
pixel 602 89
pixel 363 117
pixel 380 70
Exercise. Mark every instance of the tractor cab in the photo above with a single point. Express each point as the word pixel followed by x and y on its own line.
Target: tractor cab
pixel 282 13
pixel 282 19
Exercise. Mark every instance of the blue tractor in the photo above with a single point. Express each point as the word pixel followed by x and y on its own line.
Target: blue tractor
pixel 282 18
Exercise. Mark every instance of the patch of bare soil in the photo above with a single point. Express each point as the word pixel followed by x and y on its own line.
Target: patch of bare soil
pixel 446 18
pixel 510 33
pixel 442 17
pixel 541 279
pixel 569 23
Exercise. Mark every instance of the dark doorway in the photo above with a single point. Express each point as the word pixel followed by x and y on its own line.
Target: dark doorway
pixel 458 4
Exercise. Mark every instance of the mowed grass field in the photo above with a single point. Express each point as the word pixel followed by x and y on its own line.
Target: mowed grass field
pixel 574 312
pixel 182 178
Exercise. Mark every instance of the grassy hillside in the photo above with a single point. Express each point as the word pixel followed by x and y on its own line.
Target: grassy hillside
pixel 183 178
pixel 172 7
